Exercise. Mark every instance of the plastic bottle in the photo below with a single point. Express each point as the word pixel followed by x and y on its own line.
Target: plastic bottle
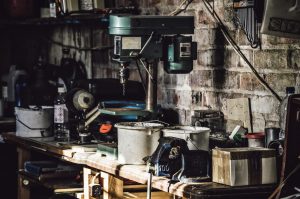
pixel 61 117
pixel 283 110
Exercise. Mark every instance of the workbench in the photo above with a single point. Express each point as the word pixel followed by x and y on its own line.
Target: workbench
pixel 115 174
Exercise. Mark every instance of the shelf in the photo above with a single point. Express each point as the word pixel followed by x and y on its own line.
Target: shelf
pixel 56 184
pixel 98 20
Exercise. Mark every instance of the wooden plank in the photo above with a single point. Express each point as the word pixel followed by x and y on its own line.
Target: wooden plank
pixel 112 186
pixel 239 109
pixel 86 173
pixel 23 156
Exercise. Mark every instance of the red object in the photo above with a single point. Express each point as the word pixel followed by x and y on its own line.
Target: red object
pixel 20 8
pixel 105 128
pixel 259 135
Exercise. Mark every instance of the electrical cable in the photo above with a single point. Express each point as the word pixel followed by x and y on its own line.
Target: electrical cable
pixel 178 9
pixel 236 48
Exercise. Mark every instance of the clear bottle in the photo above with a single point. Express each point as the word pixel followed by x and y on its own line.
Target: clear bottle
pixel 283 110
pixel 61 117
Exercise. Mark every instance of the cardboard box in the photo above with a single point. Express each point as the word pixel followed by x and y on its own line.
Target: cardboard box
pixel 244 166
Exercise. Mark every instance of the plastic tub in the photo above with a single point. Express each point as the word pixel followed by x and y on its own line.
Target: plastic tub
pixel 256 139
pixel 196 137
pixel 137 140
pixel 34 122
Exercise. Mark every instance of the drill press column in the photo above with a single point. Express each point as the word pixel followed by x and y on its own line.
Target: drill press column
pixel 151 97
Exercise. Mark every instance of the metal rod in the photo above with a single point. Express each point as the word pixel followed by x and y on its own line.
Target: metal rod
pixel 149 185
pixel 148 72
pixel 151 98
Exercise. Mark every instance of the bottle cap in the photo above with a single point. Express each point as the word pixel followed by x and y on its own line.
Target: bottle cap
pixel 290 90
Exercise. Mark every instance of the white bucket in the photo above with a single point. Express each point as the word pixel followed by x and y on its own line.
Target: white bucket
pixel 196 137
pixel 34 122
pixel 137 140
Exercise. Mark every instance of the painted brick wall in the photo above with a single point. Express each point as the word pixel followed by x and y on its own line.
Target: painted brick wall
pixel 219 74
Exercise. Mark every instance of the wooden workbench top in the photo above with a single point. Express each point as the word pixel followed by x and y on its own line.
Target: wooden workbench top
pixel 137 173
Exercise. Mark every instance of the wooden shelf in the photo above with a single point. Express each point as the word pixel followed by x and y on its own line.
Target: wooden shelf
pixel 99 20
pixel 55 184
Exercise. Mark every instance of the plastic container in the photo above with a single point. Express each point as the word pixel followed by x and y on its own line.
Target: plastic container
pixel 197 138
pixel 256 139
pixel 34 122
pixel 137 140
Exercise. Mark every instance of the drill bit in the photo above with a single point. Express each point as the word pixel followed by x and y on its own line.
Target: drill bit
pixel 124 75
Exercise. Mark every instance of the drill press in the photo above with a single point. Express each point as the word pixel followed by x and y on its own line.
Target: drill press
pixel 148 40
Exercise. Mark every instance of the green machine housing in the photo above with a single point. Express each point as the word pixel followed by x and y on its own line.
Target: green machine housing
pixel 154 37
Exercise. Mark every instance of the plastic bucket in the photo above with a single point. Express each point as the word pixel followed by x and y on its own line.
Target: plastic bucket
pixel 197 138
pixel 34 122
pixel 137 140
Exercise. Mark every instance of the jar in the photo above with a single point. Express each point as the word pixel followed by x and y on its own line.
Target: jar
pixel 256 139
pixel 20 8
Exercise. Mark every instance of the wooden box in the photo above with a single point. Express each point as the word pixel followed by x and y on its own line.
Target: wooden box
pixel 244 166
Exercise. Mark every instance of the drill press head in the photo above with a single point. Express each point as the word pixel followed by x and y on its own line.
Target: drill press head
pixel 153 38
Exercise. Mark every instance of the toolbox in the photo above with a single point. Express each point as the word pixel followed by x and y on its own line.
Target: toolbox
pixel 244 166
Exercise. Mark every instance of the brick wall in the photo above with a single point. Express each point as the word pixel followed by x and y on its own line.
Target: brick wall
pixel 219 74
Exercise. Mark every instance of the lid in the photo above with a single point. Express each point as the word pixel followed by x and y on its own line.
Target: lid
pixel 139 125
pixel 186 129
pixel 259 135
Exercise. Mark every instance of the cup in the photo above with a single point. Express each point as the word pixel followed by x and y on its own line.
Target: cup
pixel 271 134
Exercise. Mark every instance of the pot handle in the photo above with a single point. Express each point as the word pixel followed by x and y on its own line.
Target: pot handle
pixel 158 121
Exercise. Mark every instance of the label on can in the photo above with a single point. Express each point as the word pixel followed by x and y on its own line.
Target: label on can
pixel 60 113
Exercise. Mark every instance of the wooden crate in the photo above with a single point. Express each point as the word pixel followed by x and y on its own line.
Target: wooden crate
pixel 244 166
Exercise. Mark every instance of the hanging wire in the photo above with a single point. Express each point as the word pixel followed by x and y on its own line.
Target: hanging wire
pixel 236 48
pixel 229 39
